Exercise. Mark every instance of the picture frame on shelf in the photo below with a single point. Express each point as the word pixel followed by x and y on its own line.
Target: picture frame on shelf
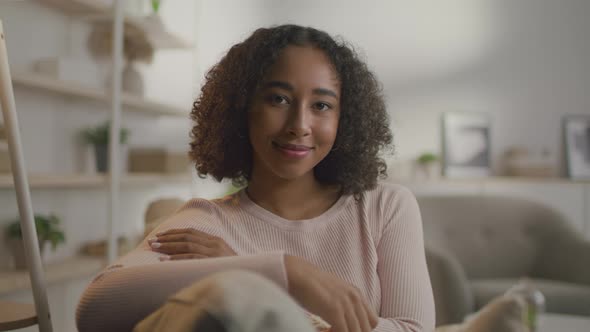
pixel 576 133
pixel 466 144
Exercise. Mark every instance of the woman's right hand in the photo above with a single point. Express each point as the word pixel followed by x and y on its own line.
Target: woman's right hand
pixel 323 294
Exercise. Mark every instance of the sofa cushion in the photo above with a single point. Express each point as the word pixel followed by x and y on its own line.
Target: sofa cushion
pixel 492 237
pixel 560 297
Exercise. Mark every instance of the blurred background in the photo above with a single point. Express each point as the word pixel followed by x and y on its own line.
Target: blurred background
pixel 485 97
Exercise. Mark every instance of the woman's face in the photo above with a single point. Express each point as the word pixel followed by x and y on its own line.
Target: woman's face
pixel 293 117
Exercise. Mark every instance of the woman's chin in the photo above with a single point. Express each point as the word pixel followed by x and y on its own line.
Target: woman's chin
pixel 292 174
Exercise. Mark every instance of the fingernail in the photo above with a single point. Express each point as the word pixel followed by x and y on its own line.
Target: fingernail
pixel 156 245
pixel 164 258
pixel 152 239
pixel 159 233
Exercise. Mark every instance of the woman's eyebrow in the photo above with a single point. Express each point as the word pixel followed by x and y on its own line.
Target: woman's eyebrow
pixel 325 92
pixel 289 87
pixel 278 84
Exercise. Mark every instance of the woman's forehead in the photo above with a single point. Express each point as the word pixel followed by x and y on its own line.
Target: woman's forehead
pixel 303 65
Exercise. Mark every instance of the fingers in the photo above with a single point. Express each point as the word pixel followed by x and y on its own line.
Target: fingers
pixel 339 323
pixel 369 313
pixel 190 241
pixel 173 248
pixel 184 231
pixel 182 237
pixel 373 318
pixel 358 312
pixel 351 316
pixel 363 318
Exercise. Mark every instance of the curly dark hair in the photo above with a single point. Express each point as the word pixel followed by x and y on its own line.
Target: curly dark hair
pixel 220 145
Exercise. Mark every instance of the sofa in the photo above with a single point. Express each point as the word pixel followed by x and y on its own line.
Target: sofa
pixel 477 247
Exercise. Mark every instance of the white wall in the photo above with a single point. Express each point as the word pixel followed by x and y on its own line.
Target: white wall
pixel 525 62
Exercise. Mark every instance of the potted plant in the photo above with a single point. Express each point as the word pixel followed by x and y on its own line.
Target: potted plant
pixel 156 5
pixel 98 137
pixel 426 165
pixel 48 230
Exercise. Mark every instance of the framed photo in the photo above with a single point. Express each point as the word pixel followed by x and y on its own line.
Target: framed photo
pixel 576 132
pixel 466 144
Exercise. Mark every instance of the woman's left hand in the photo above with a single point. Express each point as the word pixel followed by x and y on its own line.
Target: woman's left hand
pixel 189 243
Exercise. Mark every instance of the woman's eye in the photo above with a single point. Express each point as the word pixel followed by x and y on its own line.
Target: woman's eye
pixel 278 99
pixel 322 106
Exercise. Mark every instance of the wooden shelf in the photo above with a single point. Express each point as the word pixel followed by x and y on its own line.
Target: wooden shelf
pixel 80 181
pixel 75 267
pixel 76 7
pixel 158 36
pixel 130 103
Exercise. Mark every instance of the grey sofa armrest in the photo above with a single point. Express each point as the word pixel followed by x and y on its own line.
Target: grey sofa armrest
pixel 453 298
pixel 565 257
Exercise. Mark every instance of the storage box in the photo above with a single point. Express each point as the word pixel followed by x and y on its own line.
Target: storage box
pixel 157 161
pixel 99 248
pixel 71 70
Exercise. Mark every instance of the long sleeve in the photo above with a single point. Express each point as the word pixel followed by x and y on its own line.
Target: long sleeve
pixel 123 294
pixel 375 243
pixel 407 302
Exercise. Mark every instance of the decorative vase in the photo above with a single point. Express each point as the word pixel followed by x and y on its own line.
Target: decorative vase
pixel 132 81
pixel 426 171
pixel 101 153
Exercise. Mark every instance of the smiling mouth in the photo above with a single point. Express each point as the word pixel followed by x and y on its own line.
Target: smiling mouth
pixel 292 150
pixel 292 147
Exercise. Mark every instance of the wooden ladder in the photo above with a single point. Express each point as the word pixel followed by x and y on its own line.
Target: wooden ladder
pixel 18 315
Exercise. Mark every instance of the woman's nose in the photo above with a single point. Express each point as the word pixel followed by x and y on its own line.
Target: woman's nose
pixel 299 121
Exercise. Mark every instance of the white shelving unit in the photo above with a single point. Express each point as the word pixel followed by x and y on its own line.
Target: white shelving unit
pixel 65 273
pixel 92 10
pixel 130 103
pixel 160 38
pixel 81 181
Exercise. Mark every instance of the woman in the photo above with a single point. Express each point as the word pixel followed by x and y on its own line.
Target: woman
pixel 299 120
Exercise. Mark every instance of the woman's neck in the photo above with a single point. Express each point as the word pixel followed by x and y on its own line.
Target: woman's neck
pixel 302 198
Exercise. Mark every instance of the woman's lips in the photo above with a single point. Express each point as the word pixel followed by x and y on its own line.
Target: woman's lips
pixel 292 150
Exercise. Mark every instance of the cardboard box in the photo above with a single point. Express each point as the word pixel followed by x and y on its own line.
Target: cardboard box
pixel 157 161
pixel 99 248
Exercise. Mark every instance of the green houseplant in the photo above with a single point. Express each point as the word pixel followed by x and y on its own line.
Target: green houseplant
pixel 156 5
pixel 98 137
pixel 426 165
pixel 427 158
pixel 48 230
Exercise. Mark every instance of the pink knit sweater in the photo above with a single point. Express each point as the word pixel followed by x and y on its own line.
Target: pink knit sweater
pixel 375 244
